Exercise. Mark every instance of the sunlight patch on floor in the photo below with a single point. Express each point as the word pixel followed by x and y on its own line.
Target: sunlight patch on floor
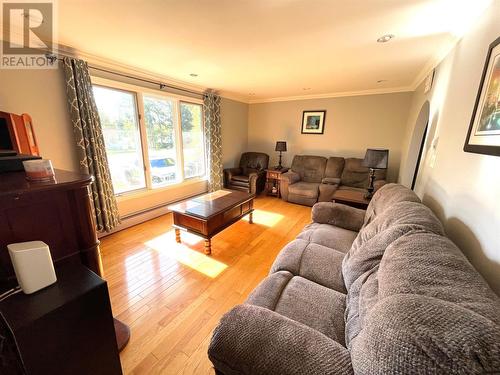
pixel 269 219
pixel 166 246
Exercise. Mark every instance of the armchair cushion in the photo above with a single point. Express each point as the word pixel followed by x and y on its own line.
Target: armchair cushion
pixel 248 171
pixel 241 178
pixel 340 215
pixel 255 340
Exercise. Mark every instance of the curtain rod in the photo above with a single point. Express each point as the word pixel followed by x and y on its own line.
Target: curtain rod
pixel 52 58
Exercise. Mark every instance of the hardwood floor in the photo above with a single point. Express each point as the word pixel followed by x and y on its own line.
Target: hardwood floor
pixel 172 295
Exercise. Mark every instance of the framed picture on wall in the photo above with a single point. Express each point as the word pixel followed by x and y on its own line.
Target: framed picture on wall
pixel 483 136
pixel 313 122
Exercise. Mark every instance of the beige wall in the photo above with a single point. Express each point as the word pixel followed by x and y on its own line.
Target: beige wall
pixel 352 125
pixel 42 94
pixel 234 121
pixel 462 188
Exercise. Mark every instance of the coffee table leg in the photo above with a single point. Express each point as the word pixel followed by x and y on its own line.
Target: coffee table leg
pixel 250 218
pixel 177 235
pixel 208 246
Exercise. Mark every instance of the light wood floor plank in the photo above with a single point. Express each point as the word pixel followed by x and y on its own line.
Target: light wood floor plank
pixel 173 296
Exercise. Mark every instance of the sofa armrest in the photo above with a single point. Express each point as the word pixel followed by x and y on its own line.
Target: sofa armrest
pixel 257 181
pixel 254 340
pixel 287 179
pixel 377 184
pixel 290 177
pixel 337 214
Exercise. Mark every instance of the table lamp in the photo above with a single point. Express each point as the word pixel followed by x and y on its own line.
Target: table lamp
pixel 280 146
pixel 375 158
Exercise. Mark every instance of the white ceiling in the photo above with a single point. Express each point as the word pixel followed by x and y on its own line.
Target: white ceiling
pixel 272 48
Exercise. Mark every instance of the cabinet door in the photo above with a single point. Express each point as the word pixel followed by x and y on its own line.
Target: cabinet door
pixel 44 216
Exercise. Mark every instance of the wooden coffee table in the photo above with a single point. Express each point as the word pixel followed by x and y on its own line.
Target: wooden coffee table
pixel 351 198
pixel 208 214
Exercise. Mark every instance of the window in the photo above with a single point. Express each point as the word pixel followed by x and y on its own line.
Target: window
pixel 152 140
pixel 118 114
pixel 192 140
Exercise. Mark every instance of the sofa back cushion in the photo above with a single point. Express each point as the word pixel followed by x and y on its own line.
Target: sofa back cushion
pixel 423 308
pixel 334 167
pixel 387 196
pixel 355 175
pixel 374 238
pixel 309 168
pixel 253 162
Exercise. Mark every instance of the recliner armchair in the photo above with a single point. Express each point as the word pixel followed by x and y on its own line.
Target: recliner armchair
pixel 250 176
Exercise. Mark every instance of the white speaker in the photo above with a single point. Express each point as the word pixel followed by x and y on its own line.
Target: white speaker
pixel 33 265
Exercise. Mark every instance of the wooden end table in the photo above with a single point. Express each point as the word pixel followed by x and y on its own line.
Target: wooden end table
pixel 273 181
pixel 351 198
pixel 209 214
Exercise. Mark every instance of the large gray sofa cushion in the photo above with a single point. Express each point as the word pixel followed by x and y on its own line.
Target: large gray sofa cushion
pixel 330 236
pixel 255 340
pixel 334 168
pixel 433 312
pixel 373 239
pixel 386 196
pixel 305 189
pixel 309 168
pixel 304 301
pixel 355 175
pixel 312 261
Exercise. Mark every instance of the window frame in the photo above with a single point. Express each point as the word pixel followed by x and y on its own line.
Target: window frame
pixel 204 140
pixel 138 93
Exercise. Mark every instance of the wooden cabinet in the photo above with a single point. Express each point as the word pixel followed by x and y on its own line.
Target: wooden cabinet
pixel 58 213
pixel 66 328
pixel 273 181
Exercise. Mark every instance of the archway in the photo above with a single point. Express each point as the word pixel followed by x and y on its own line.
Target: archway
pixel 416 149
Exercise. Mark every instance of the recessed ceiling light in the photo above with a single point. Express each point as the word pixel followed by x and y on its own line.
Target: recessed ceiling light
pixel 306 88
pixel 193 75
pixel 385 38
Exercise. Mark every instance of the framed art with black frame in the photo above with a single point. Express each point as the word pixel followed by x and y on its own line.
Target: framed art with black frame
pixel 483 136
pixel 313 122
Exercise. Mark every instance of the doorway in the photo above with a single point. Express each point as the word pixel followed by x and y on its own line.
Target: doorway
pixel 416 150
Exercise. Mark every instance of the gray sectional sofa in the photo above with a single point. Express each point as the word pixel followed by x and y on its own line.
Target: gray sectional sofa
pixel 381 291
pixel 314 179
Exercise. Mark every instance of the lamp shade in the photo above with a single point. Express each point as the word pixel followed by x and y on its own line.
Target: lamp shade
pixel 280 146
pixel 376 158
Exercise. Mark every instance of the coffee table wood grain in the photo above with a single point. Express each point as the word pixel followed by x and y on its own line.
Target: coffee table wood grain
pixel 209 214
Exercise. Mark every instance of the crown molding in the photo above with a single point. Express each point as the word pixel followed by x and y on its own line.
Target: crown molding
pixel 432 63
pixel 334 95
pixel 234 96
pixel 102 62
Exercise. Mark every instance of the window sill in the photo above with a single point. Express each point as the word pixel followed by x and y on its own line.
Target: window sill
pixel 148 192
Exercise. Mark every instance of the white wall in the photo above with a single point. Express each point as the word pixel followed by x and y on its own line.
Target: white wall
pixel 352 125
pixel 463 189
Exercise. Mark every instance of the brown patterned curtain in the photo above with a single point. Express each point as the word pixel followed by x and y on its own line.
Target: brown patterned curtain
pixel 90 142
pixel 213 139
